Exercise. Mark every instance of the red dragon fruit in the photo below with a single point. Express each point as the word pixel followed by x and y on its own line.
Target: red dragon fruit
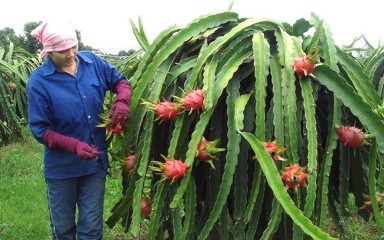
pixel 304 65
pixel 294 176
pixel 130 163
pixel 170 169
pixel 368 204
pixel 12 86
pixel 271 147
pixel 351 136
pixel 115 130
pixel 274 150
pixel 206 150
pixel 145 207
pixel 4 76
pixel 164 110
pixel 106 123
pixel 193 100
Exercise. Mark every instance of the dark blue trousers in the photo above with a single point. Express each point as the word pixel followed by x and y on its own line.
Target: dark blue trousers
pixel 86 194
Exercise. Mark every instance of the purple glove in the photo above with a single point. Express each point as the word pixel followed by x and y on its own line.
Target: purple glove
pixel 119 112
pixel 83 150
pixel 86 151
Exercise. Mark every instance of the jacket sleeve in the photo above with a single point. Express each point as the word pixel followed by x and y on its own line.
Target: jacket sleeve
pixel 39 119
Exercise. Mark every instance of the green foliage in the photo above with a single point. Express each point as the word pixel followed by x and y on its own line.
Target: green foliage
pixel 8 35
pixel 26 41
pixel 15 66
pixel 247 61
pixel 30 43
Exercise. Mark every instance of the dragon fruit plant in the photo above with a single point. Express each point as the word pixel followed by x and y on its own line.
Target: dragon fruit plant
pixel 15 68
pixel 246 81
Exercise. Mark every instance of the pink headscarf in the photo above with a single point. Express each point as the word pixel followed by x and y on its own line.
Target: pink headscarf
pixel 54 37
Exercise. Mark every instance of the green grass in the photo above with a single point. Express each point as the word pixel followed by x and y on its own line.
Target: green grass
pixel 23 204
pixel 354 227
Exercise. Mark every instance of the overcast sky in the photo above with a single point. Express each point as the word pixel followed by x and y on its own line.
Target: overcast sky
pixel 105 25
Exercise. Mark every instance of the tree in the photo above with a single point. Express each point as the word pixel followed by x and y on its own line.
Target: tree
pixel 8 35
pixel 31 44
pixel 126 53
pixel 82 46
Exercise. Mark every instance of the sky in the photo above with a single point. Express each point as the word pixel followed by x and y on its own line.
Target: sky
pixel 106 25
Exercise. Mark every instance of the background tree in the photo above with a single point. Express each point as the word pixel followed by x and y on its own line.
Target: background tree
pixel 82 46
pixel 126 53
pixel 30 43
pixel 27 42
pixel 8 35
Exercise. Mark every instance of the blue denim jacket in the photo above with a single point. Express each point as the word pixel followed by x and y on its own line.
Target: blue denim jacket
pixel 70 105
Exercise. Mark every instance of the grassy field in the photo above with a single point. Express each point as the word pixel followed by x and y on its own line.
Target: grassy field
pixel 23 203
pixel 24 210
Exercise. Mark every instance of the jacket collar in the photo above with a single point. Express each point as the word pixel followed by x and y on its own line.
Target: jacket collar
pixel 49 67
